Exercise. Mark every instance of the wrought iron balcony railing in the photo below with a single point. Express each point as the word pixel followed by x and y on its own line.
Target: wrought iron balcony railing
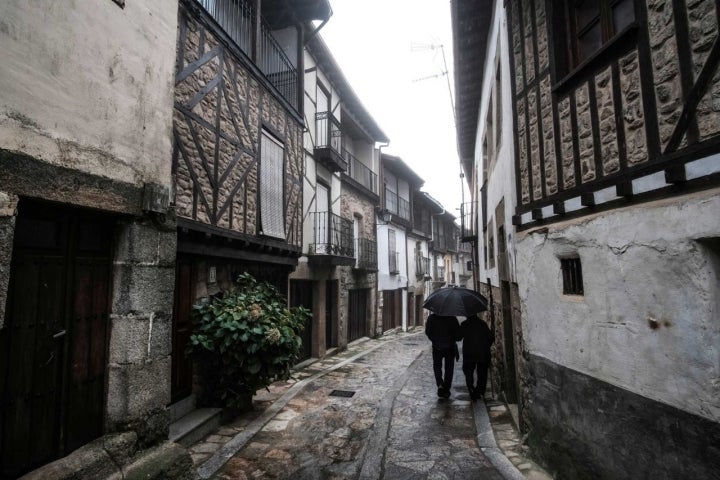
pixel 333 235
pixel 366 254
pixel 236 18
pixel 394 262
pixel 468 222
pixel 328 142
pixel 360 172
pixel 422 266
pixel 439 273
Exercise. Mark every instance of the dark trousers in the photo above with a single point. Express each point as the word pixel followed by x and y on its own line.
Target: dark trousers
pixel 438 357
pixel 472 364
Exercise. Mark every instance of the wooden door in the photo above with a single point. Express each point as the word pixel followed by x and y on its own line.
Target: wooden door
pixel 181 370
pixel 54 343
pixel 357 313
pixel 301 295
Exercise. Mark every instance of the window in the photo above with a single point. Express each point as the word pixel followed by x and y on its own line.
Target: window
pixel 590 24
pixel 392 253
pixel 272 168
pixel 572 276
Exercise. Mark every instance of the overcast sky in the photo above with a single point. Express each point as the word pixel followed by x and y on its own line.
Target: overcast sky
pixel 382 46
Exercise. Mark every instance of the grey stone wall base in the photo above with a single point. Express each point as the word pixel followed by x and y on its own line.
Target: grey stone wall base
pixel 115 456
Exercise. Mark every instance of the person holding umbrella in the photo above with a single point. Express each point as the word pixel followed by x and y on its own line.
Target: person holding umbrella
pixel 477 339
pixel 443 328
pixel 443 332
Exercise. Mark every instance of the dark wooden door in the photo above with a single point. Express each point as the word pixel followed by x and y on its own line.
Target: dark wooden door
pixel 181 370
pixel 301 295
pixel 357 313
pixel 54 343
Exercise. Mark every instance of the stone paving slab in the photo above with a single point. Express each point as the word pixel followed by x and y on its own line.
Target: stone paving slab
pixel 394 426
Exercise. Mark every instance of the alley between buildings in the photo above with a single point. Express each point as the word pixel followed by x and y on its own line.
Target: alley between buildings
pixel 370 412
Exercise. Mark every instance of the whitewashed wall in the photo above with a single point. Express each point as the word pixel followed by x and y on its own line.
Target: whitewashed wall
pixel 501 181
pixel 650 317
pixel 89 86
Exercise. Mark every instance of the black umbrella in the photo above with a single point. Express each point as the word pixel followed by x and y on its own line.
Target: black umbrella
pixel 456 301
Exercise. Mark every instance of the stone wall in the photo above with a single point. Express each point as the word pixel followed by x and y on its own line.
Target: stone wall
pixel 586 429
pixel 8 211
pixel 138 388
pixel 222 108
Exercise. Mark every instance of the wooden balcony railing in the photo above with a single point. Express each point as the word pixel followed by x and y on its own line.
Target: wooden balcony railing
pixel 397 205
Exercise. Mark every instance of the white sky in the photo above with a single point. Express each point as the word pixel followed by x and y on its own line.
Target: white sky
pixel 372 41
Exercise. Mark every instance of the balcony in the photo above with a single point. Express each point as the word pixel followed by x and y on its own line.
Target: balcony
pixel 237 19
pixel 332 240
pixel 396 205
pixel 468 222
pixel 422 266
pixel 366 253
pixel 328 142
pixel 360 172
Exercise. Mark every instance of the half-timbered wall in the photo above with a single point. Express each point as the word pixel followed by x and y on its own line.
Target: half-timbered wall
pixel 647 101
pixel 222 108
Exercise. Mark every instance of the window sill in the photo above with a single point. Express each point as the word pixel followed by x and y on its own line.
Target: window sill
pixel 572 298
pixel 608 52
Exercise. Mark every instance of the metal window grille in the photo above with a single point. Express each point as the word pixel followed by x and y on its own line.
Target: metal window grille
pixel 572 276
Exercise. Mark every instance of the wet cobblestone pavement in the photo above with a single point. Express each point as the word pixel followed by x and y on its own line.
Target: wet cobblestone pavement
pixel 393 426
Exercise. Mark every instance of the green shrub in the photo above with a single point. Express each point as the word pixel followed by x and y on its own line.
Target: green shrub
pixel 245 340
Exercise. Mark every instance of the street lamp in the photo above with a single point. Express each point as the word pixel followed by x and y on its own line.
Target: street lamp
pixel 383 215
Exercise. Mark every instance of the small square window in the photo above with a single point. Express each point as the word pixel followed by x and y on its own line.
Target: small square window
pixel 572 276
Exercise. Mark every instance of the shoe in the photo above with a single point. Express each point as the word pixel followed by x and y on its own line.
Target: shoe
pixel 441 392
pixel 445 393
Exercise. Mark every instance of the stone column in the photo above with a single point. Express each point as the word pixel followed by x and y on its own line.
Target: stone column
pixel 141 329
pixel 8 211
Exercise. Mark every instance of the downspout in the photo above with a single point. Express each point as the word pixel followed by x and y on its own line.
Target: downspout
pixel 381 199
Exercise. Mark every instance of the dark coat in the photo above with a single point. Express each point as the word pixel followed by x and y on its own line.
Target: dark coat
pixel 443 332
pixel 477 338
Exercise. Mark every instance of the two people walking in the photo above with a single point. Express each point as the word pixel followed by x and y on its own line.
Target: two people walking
pixel 444 332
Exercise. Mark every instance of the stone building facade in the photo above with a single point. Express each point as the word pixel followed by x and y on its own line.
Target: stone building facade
pixel 609 175
pixel 337 274
pixel 238 158
pixel 87 237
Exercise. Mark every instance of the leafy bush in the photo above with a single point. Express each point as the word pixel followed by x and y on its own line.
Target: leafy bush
pixel 245 340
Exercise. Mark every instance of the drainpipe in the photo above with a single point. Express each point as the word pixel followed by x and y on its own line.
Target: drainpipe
pixel 381 196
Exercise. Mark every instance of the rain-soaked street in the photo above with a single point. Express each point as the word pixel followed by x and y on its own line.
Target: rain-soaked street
pixel 370 412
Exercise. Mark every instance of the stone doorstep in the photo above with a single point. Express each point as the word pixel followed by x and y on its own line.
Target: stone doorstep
pixel 181 408
pixel 113 456
pixel 195 425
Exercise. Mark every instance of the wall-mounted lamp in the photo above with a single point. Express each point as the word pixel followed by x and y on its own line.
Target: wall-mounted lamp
pixel 383 216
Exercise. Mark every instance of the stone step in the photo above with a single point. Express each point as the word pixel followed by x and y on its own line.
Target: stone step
pixel 181 408
pixel 195 425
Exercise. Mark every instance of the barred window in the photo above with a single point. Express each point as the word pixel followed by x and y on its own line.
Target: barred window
pixel 272 214
pixel 572 276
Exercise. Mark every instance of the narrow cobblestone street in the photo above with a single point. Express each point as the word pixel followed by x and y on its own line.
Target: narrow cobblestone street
pixel 393 426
